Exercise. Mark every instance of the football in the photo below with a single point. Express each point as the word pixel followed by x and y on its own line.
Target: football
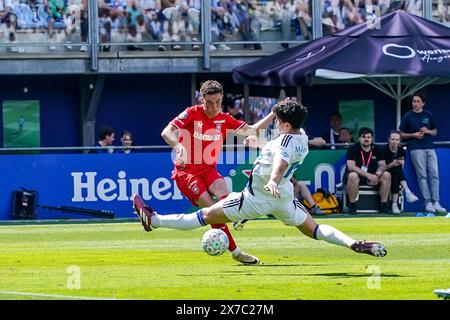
pixel 215 242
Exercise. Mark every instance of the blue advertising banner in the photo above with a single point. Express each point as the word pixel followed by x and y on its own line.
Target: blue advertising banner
pixel 107 181
pixel 443 156
pixel 92 181
pixel 95 181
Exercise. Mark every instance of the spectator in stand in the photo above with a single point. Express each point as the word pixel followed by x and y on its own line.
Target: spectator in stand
pixel 304 19
pixel 171 17
pixel 127 141
pixel 105 139
pixel 112 15
pixel 301 192
pixel 365 166
pixel 243 11
pixel 329 18
pixel 190 10
pixel 84 24
pixel 281 12
pixel 57 11
pixel 8 24
pixel 418 128
pixel 332 135
pixel 345 136
pixel 234 109
pixel 414 7
pixel 394 156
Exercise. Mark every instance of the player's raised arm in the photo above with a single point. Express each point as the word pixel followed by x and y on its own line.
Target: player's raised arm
pixel 253 129
pixel 170 135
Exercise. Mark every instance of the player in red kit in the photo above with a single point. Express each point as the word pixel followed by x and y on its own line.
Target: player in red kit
pixel 197 135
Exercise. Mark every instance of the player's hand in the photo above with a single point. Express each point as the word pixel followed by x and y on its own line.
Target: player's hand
pixel 373 179
pixel 180 154
pixel 273 190
pixel 396 163
pixel 251 141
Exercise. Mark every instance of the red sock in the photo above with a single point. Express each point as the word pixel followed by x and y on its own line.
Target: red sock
pixel 224 228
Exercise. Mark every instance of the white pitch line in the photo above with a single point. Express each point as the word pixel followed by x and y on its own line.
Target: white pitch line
pixel 33 294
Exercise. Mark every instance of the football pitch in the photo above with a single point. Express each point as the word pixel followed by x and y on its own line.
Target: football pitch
pixel 121 261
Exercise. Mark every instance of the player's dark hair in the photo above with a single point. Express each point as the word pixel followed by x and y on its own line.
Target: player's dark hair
pixel 105 131
pixel 292 112
pixel 211 87
pixel 365 130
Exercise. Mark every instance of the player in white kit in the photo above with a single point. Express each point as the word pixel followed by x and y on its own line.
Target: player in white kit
pixel 269 190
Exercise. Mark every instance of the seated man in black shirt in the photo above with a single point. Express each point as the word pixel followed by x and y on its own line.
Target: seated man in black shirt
pixel 394 155
pixel 365 166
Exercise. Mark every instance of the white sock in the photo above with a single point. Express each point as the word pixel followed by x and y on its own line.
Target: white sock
pixel 179 221
pixel 236 252
pixel 332 235
pixel 407 190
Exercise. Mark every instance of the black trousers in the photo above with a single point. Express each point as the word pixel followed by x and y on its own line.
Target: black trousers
pixel 397 175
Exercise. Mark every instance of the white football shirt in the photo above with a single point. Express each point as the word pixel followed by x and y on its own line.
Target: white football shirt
pixel 293 148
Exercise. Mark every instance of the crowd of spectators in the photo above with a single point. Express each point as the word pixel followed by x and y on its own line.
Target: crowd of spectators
pixel 170 22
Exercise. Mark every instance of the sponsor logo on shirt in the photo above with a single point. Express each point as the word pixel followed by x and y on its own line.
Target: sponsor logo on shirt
pixel 207 137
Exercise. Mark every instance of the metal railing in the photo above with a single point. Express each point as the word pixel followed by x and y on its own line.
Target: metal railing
pixel 94 43
pixel 166 147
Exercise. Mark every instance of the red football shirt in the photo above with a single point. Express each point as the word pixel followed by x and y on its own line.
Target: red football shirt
pixel 203 136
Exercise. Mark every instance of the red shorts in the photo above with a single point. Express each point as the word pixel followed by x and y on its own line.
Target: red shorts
pixel 193 185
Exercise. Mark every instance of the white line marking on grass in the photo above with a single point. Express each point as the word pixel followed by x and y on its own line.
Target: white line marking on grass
pixel 46 295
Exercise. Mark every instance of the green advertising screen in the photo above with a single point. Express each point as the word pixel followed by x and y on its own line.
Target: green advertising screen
pixel 357 114
pixel 321 169
pixel 21 124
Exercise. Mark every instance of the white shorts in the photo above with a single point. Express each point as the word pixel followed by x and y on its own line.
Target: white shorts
pixel 243 205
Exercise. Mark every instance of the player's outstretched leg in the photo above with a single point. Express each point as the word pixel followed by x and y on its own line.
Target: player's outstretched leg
pixel 370 247
pixel 331 235
pixel 236 253
pixel 144 212
pixel 151 220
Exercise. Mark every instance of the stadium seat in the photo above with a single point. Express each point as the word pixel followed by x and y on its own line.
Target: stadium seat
pixel 368 199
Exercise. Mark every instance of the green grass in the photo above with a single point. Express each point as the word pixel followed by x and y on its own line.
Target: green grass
pixel 119 260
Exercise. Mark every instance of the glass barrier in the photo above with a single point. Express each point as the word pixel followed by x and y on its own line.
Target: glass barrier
pixel 258 22
pixel 440 11
pixel 165 25
pixel 47 26
pixel 340 14
pixel 43 25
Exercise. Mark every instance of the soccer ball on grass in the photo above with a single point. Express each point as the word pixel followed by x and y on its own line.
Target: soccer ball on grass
pixel 215 242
